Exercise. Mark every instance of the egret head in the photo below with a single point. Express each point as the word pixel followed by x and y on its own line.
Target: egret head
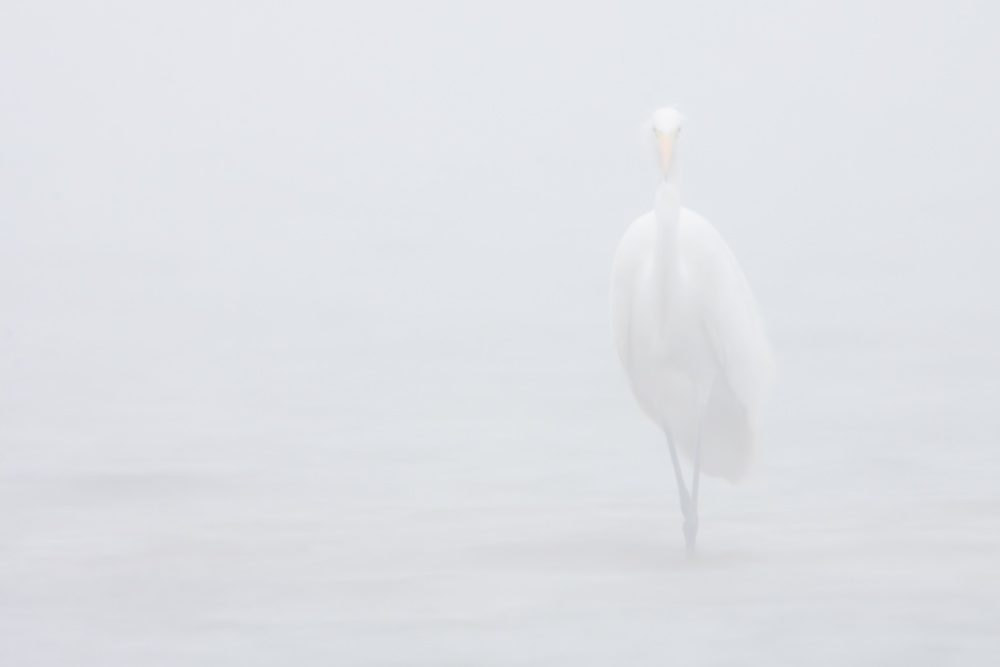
pixel 666 127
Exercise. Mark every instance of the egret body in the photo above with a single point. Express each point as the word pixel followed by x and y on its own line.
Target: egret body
pixel 688 332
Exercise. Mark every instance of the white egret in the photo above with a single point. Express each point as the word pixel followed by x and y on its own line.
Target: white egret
pixel 688 332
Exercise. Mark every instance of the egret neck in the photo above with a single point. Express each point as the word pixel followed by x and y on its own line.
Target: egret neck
pixel 667 209
pixel 666 256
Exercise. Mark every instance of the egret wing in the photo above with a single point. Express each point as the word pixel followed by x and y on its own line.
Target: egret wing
pixel 730 310
pixel 629 259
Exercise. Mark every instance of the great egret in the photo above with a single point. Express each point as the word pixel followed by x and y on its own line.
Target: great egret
pixel 688 332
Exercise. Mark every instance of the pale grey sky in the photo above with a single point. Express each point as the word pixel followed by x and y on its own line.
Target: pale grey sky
pixel 371 243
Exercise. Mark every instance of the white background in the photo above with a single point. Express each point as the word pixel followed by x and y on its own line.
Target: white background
pixel 305 353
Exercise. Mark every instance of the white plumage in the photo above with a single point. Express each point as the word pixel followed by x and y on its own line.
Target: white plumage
pixel 688 332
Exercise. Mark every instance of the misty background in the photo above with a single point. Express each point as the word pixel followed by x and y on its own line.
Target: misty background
pixel 305 351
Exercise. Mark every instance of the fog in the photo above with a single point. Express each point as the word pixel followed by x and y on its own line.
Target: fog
pixel 305 351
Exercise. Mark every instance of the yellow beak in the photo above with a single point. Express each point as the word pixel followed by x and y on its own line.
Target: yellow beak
pixel 667 140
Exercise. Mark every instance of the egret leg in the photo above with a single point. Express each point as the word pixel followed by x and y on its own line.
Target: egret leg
pixel 681 488
pixel 691 519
